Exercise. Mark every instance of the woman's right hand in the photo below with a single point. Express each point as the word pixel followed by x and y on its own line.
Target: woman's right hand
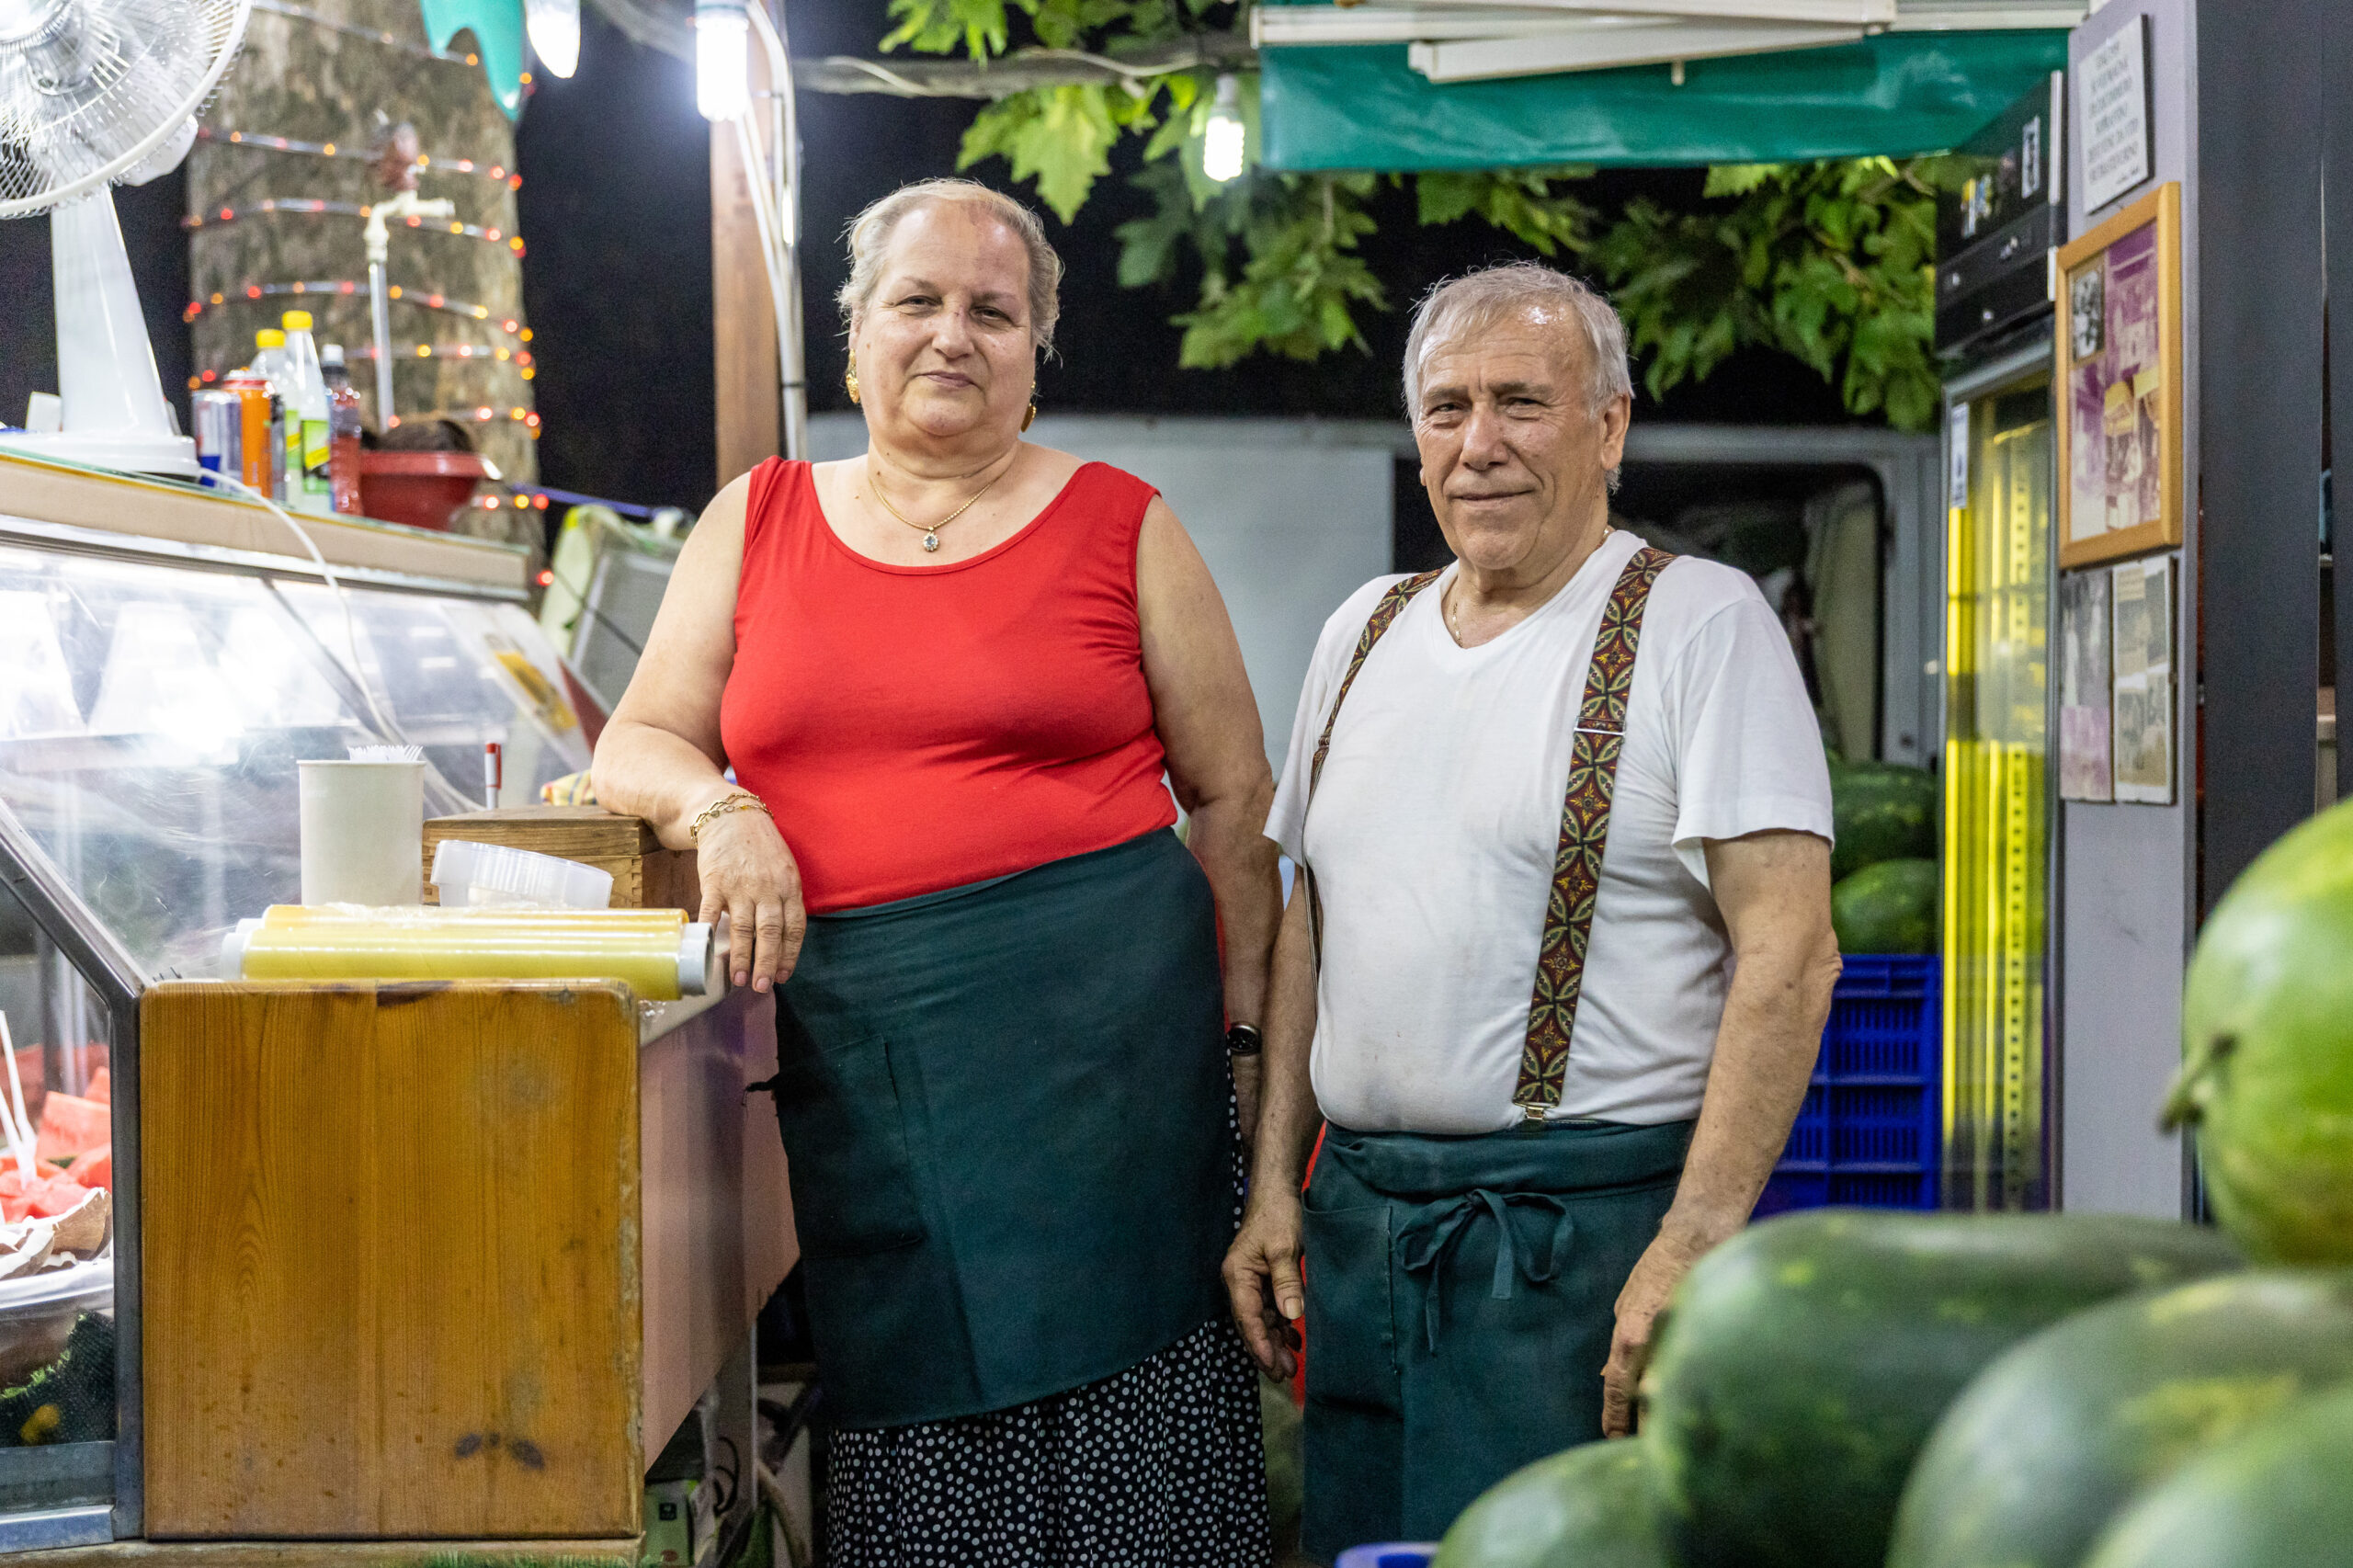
pixel 749 876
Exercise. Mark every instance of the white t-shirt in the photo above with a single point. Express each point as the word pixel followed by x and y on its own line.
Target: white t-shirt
pixel 1434 830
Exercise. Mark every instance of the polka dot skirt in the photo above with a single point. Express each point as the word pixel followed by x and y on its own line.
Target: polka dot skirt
pixel 1161 1466
pixel 1157 1466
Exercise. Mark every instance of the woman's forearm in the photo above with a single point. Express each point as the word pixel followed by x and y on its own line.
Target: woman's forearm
pixel 1227 836
pixel 643 770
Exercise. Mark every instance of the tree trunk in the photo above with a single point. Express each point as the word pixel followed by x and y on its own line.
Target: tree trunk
pixel 327 79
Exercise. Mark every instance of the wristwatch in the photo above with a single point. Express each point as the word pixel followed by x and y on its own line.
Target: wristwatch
pixel 1244 1039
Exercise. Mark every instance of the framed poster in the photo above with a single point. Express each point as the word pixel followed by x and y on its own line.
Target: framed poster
pixel 2119 377
pixel 2141 596
pixel 2086 756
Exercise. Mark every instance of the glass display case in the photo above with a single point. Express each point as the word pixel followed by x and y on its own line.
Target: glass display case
pixel 154 698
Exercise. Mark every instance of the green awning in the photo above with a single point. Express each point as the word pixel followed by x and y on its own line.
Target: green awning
pixel 1361 107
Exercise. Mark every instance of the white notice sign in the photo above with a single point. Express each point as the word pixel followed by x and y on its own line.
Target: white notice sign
pixel 2112 82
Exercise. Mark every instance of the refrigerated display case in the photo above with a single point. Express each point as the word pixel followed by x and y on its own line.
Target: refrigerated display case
pixel 1999 785
pixel 155 692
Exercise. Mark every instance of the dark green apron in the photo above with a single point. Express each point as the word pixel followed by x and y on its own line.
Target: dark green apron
pixel 1460 1301
pixel 1005 1109
pixel 1461 1292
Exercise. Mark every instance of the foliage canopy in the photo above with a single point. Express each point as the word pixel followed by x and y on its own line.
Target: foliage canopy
pixel 1831 263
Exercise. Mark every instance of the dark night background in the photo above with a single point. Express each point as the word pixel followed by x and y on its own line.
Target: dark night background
pixel 615 203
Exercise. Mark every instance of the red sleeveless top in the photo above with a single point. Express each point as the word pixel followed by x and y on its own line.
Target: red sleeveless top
pixel 916 728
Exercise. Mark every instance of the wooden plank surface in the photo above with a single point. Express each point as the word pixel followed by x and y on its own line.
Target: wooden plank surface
pixel 750 400
pixel 392 1250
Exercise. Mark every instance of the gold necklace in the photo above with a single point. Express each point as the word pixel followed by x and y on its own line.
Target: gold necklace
pixel 931 534
pixel 1453 605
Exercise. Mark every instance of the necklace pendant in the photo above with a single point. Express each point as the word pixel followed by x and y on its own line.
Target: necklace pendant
pixel 931 541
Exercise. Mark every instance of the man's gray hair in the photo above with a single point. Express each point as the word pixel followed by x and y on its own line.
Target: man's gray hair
pixel 1482 299
pixel 869 240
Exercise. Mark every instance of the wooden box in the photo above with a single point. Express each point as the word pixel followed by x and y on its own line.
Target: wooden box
pixel 441 1260
pixel 645 875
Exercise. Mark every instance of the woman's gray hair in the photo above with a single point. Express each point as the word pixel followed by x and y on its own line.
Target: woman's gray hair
pixel 1482 299
pixel 869 240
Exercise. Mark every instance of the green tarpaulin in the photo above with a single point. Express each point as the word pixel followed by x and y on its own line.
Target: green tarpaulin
pixel 1361 107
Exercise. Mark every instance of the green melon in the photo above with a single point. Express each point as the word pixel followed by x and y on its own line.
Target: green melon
pixel 1590 1507
pixel 2267 1067
pixel 1881 811
pixel 1888 908
pixel 2032 1461
pixel 1803 1363
pixel 2278 1496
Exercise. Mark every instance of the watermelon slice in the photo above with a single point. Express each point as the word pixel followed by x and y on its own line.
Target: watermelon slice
pixel 101 1087
pixel 54 1196
pixel 71 1125
pixel 94 1168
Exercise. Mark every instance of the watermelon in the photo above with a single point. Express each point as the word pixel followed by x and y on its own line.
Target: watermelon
pixel 2275 1497
pixel 101 1087
pixel 2267 1079
pixel 2029 1463
pixel 94 1168
pixel 46 1196
pixel 1804 1363
pixel 1890 907
pixel 71 1125
pixel 1591 1506
pixel 1881 811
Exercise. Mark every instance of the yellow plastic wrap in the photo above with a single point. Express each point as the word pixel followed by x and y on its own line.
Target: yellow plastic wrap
pixel 651 950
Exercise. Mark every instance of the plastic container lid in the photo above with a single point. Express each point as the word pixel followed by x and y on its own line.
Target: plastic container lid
pixel 297 321
pixel 479 876
pixel 270 337
pixel 331 354
pixel 1389 1554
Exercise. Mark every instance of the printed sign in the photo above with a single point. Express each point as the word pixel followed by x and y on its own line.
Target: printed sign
pixel 2113 83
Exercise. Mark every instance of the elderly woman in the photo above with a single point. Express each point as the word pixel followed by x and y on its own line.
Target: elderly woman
pixel 950 676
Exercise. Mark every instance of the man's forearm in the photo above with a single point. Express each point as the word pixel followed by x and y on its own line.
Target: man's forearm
pixel 1765 1053
pixel 1288 1116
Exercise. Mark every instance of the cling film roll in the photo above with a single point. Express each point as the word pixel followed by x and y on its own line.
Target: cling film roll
pixel 657 953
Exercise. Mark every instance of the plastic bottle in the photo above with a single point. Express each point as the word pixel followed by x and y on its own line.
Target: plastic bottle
pixel 343 431
pixel 307 441
pixel 270 364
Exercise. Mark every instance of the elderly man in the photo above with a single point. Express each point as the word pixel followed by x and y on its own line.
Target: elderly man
pixel 1560 945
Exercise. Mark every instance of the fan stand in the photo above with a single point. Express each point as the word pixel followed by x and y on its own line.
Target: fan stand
pixel 115 415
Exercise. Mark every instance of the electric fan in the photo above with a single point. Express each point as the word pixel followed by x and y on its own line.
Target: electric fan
pixel 95 93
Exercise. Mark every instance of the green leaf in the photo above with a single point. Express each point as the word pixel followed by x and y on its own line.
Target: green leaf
pixel 1060 136
pixel 1738 180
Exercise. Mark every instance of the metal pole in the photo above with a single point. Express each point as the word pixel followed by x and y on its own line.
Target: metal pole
pixel 380 317
pixel 785 215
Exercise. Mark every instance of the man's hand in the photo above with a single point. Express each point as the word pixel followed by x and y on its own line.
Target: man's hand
pixel 1663 1264
pixel 1262 1281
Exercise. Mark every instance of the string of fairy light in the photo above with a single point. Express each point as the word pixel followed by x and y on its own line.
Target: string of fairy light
pixel 425 299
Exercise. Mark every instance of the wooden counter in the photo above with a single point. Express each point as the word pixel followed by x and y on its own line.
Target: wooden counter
pixel 441 1261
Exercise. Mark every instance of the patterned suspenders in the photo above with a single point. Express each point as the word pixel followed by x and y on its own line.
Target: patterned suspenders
pixel 1585 816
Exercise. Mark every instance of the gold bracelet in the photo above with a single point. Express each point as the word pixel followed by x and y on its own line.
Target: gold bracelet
pixel 742 801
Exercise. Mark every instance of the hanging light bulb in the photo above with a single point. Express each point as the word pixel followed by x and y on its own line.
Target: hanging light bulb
pixel 1223 145
pixel 723 59
pixel 554 27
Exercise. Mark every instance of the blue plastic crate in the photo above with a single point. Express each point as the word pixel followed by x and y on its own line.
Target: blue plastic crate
pixel 1870 1131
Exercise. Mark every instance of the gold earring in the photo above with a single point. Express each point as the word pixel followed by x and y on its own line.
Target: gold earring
pixel 1030 418
pixel 850 379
